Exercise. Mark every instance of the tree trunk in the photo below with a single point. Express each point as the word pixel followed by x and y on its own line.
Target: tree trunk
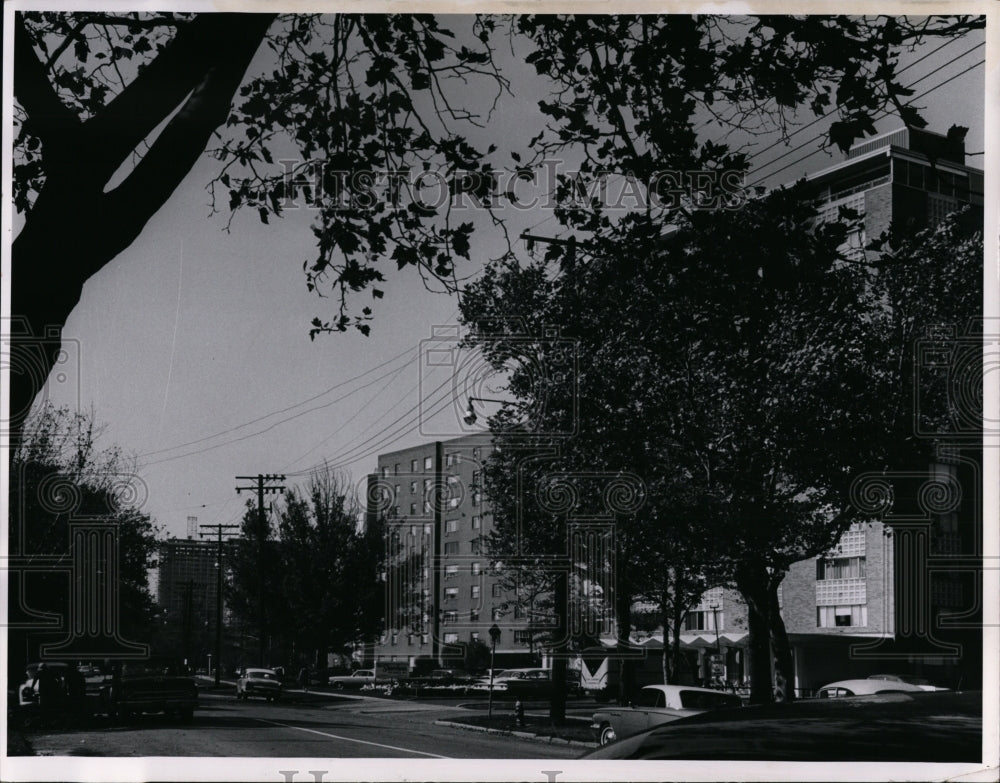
pixel 666 658
pixel 678 653
pixel 784 669
pixel 75 227
pixel 626 674
pixel 557 701
pixel 759 650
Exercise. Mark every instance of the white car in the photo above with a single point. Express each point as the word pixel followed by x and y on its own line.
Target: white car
pixel 264 683
pixel 836 690
pixel 355 681
pixel 655 705
pixel 920 682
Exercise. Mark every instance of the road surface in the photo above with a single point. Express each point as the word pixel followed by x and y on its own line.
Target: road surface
pixel 327 728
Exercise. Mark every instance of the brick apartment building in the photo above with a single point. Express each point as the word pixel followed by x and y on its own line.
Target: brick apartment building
pixel 442 592
pixel 899 595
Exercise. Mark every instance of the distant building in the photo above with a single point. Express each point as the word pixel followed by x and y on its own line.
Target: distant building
pixel 443 593
pixel 186 578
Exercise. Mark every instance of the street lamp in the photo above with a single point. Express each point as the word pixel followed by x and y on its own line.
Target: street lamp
pixel 470 416
pixel 494 637
pixel 718 646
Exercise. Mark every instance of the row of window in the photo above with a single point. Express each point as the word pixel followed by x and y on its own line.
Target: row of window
pixel 854 616
pixel 451 593
pixel 521 637
pixel 475 546
pixel 450 458
pixel 840 568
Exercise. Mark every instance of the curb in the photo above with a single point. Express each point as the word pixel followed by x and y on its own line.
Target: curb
pixel 519 734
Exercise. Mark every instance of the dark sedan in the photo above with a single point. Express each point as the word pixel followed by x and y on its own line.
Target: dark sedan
pixel 940 726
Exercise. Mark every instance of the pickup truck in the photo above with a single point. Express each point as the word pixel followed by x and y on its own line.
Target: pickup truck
pixel 149 686
pixel 355 681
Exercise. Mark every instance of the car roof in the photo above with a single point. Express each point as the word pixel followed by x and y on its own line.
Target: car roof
pixel 862 687
pixel 920 726
pixel 260 671
pixel 670 689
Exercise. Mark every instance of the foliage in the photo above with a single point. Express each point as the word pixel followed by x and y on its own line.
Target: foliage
pixel 321 584
pixel 59 476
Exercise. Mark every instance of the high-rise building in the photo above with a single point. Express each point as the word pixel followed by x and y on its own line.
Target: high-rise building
pixel 443 591
pixel 896 595
pixel 186 577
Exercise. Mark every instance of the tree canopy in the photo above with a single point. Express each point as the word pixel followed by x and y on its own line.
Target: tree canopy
pixel 347 97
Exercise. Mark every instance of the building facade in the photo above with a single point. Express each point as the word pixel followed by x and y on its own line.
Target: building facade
pixel 442 591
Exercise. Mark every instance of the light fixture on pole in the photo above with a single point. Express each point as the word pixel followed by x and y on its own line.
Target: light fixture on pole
pixel 470 416
pixel 494 637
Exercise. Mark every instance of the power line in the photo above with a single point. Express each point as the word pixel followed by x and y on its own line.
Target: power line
pixel 827 116
pixel 877 117
pixel 271 426
pixel 283 410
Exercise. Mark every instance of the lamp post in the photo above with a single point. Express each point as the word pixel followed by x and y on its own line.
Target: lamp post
pixel 470 416
pixel 494 636
pixel 718 646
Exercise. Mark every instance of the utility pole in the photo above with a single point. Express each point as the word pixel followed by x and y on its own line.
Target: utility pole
pixel 218 599
pixel 264 485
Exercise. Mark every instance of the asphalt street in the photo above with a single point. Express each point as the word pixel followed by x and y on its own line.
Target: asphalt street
pixel 328 728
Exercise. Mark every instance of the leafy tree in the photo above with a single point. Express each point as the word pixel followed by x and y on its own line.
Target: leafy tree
pixel 322 588
pixel 347 95
pixel 60 476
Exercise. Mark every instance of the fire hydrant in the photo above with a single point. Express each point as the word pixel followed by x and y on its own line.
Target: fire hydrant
pixel 519 712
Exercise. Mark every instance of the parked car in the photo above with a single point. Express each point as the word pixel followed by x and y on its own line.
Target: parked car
pixel 946 726
pixel 537 683
pixel 355 681
pixel 155 685
pixel 264 683
pixel 920 682
pixel 482 683
pixel 27 692
pixel 655 705
pixel 864 688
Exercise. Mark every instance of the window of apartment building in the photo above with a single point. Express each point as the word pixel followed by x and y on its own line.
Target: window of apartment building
pixel 425 638
pixel 451 458
pixel 428 485
pixel 395 469
pixel 413 487
pixel 475 452
pixel 518 612
pixel 853 616
pixel 522 637
pixel 475 591
pixel 476 568
pixel 498 590
pixel 427 507
pixel 450 616
pixel 703 621
pixel 474 636
pixel 474 616
pixel 427 529
pixel 385 471
pixel 450 638
pixel 451 526
pixel 840 568
pixel 409 638
pixel 428 463
pixel 413 465
pixel 450 571
pixel 450 593
pixel 477 522
pixel 451 547
pixel 413 530
pixel 413 509
pixel 476 546
pixel 497 615
pixel 395 638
